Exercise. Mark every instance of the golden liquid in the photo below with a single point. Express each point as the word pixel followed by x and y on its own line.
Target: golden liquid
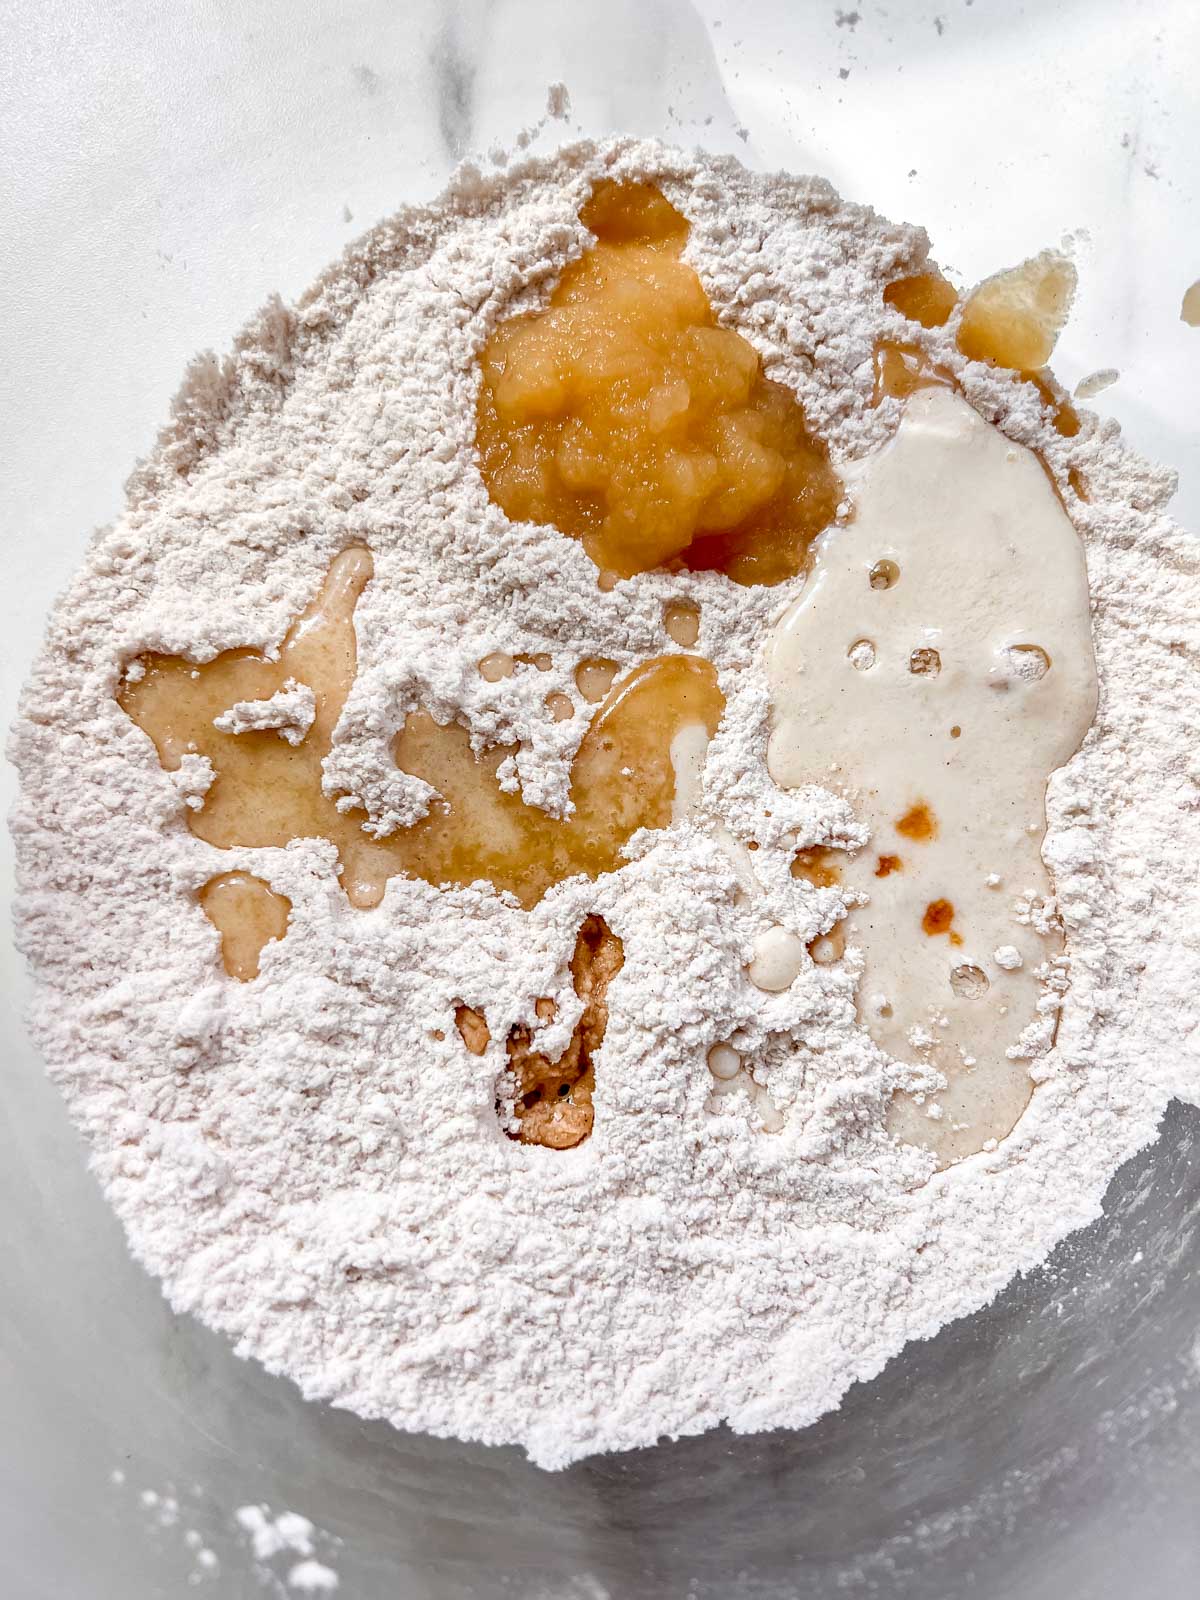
pixel 681 619
pixel 473 1029
pixel 554 1095
pixel 918 822
pixel 594 678
pixel 1064 415
pixel 552 1103
pixel 267 792
pixel 624 416
pixel 817 865
pixel 902 369
pixel 248 914
pixel 938 918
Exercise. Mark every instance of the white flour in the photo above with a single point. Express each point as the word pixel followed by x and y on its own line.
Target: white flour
pixel 291 1536
pixel 162 1512
pixel 300 1159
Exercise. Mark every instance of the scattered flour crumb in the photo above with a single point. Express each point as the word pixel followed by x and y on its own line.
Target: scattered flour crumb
pixel 288 1533
pixel 312 1577
pixel 164 1511
pixel 1096 382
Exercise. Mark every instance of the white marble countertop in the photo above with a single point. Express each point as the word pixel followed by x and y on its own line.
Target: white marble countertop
pixel 168 166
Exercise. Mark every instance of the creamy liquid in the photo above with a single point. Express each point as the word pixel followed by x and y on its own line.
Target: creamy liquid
pixel 937 668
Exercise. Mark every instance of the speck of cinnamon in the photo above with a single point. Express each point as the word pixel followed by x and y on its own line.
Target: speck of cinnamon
pixel 919 823
pixel 938 918
pixel 813 865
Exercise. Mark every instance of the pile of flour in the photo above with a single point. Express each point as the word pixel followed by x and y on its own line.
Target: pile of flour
pixel 312 1162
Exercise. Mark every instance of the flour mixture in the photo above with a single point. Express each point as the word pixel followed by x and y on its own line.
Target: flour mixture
pixel 611 835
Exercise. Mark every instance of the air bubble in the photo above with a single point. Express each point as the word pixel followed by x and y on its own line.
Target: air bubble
pixel 861 655
pixel 1027 661
pixel 925 663
pixel 825 949
pixel 885 574
pixel 496 666
pixel 968 983
pixel 681 620
pixel 724 1061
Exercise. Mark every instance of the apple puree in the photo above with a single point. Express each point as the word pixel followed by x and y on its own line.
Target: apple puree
pixel 626 417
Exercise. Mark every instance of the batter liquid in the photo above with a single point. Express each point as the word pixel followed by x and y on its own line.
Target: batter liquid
pixel 940 701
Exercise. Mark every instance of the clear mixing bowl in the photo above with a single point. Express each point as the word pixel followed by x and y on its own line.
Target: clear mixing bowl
pixel 171 166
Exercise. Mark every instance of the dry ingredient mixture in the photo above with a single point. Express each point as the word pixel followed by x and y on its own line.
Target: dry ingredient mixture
pixel 587 1154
